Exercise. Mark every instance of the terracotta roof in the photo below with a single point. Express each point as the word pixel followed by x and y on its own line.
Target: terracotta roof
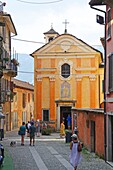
pixel 51 31
pixel 23 84
pixel 96 2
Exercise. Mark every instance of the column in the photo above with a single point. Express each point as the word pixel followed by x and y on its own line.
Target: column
pixel 93 92
pixel 52 99
pixel 79 92
pixel 38 100
pixel 58 117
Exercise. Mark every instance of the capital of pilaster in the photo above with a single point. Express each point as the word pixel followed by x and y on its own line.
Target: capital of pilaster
pixel 92 78
pixel 78 78
pixel 52 78
pixel 39 78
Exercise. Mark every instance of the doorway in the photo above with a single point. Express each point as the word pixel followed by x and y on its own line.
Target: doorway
pixel 92 132
pixel 64 112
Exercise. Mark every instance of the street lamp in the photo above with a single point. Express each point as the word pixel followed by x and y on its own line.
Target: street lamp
pixel 101 2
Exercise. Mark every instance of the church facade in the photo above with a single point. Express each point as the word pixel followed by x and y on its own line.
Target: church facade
pixel 67 73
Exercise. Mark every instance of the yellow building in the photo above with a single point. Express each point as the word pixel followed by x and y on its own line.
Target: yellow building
pixel 22 106
pixel 67 73
pixel 8 66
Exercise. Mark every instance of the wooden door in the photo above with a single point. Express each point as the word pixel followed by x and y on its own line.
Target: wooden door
pixel 92 136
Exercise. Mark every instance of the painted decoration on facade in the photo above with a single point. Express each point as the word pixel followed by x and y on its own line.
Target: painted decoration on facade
pixel 65 90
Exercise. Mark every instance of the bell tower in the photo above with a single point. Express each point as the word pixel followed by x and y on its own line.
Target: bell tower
pixel 50 35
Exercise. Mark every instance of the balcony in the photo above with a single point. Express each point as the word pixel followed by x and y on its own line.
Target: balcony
pixel 10 69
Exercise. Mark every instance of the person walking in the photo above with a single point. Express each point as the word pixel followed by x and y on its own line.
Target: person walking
pixel 62 129
pixel 28 127
pixel 32 132
pixel 22 132
pixel 69 121
pixel 38 128
pixel 75 155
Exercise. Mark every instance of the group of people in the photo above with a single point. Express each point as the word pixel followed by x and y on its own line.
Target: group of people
pixel 32 128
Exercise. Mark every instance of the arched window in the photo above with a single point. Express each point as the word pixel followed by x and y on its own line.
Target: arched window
pixel 65 70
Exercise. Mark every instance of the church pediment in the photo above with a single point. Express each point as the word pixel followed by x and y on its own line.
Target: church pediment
pixel 65 44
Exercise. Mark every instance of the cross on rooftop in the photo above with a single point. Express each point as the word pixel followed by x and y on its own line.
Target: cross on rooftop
pixel 65 25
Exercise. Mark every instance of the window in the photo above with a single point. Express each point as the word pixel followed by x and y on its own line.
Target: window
pixel 24 100
pixel 45 115
pixel 111 73
pixel 65 70
pixel 15 97
pixel 33 97
pixel 4 33
pixel 28 97
pixel 24 115
pixel 102 85
pixel 109 23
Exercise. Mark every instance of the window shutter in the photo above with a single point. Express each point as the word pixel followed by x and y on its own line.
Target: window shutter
pixel 111 73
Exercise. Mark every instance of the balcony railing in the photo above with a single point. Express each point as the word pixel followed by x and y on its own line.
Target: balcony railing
pixel 10 69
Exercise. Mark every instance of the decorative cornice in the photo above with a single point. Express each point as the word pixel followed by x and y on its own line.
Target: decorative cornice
pixel 45 69
pixel 80 76
pixel 86 69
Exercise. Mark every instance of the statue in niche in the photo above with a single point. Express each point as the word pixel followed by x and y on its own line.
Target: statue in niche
pixel 65 90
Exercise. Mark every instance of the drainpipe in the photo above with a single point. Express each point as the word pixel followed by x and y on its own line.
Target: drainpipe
pixel 105 141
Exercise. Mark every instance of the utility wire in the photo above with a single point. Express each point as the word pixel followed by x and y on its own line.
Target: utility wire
pixel 39 3
pixel 36 42
pixel 28 41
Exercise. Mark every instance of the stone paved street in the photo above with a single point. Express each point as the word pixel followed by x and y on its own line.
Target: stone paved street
pixel 49 153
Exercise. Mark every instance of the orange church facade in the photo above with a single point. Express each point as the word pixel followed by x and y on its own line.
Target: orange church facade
pixel 67 73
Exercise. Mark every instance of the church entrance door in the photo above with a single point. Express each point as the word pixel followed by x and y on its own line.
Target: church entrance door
pixel 64 112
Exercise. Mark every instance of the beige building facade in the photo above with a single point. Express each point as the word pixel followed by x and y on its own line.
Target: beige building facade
pixel 22 106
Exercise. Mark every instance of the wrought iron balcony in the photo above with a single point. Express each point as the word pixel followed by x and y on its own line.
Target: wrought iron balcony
pixel 10 69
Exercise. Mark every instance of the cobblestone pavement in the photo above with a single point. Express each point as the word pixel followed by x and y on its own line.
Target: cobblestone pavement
pixel 49 153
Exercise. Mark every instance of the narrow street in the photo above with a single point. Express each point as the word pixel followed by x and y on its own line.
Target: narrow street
pixel 49 153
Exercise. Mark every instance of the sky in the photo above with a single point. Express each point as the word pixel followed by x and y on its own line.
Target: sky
pixel 32 19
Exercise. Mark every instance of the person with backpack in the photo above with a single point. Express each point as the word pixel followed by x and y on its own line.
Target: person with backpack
pixel 38 128
pixel 32 132
pixel 22 132
pixel 76 148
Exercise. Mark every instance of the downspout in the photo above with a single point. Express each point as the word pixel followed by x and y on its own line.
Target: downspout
pixel 105 141
pixel 99 89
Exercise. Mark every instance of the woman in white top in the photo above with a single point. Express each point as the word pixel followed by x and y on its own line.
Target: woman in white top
pixel 75 156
